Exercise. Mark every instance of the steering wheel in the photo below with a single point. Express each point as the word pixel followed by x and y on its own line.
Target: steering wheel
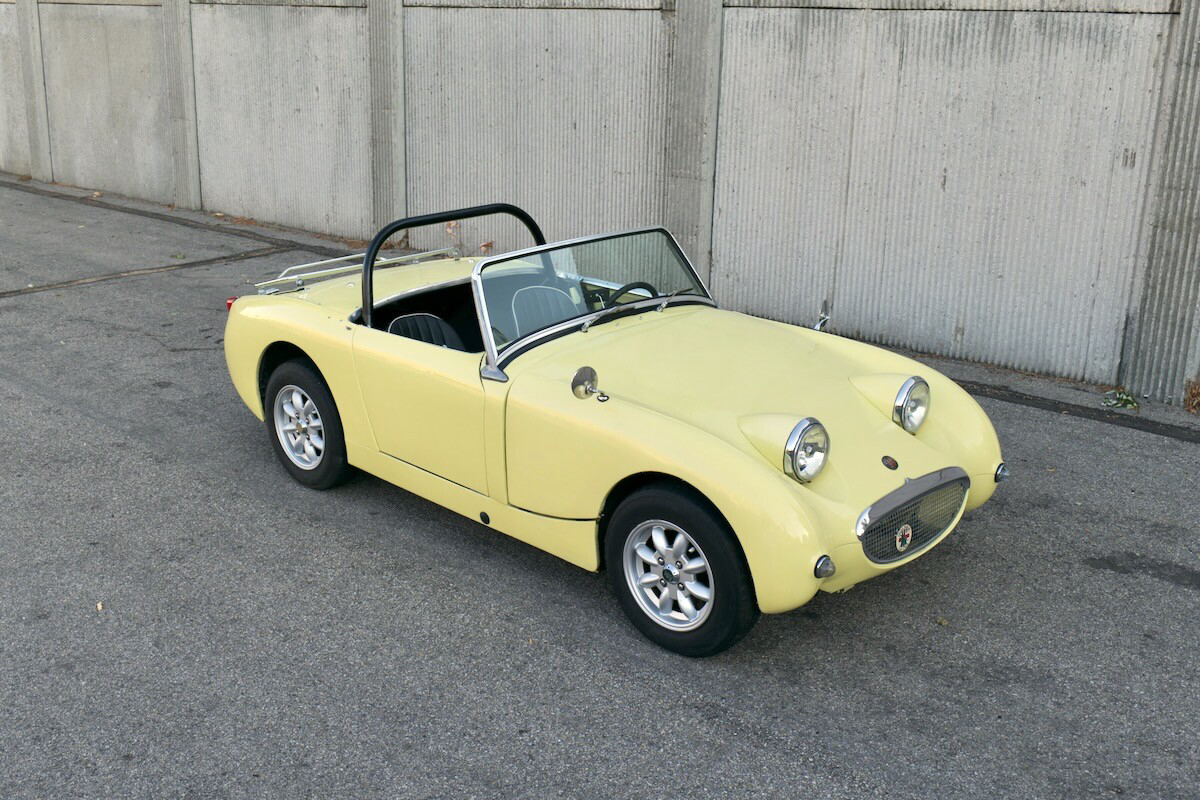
pixel 629 287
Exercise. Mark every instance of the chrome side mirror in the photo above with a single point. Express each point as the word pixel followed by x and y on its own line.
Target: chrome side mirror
pixel 583 385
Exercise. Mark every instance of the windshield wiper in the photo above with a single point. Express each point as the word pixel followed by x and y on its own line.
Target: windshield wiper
pixel 611 311
pixel 666 298
pixel 608 313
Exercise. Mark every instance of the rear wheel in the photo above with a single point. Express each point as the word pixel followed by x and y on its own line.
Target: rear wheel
pixel 678 573
pixel 304 427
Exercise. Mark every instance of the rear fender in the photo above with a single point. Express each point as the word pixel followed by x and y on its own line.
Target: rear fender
pixel 257 322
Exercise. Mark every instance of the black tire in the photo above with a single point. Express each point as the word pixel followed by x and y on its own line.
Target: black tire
pixel 733 610
pixel 332 468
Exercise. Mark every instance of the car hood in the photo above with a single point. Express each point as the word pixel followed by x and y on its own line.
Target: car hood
pixel 749 381
pixel 710 366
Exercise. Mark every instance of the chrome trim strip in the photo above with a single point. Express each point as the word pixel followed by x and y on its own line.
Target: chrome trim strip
pixel 491 363
pixel 911 490
pixel 493 369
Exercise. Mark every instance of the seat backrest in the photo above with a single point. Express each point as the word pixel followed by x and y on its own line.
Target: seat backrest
pixel 426 328
pixel 536 307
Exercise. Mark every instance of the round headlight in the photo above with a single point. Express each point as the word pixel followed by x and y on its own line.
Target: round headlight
pixel 912 404
pixel 806 450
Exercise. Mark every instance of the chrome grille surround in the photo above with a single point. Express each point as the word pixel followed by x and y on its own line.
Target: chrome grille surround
pixel 911 518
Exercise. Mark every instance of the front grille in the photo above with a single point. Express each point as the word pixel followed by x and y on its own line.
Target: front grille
pixel 924 517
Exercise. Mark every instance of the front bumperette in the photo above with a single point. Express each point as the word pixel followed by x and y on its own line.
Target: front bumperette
pixel 902 526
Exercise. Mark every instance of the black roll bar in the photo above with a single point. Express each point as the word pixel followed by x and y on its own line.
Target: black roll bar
pixel 385 233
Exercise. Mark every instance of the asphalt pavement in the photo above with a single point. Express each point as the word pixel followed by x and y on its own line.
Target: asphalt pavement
pixel 180 619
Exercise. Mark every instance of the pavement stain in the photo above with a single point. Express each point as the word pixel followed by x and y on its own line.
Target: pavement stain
pixel 1135 564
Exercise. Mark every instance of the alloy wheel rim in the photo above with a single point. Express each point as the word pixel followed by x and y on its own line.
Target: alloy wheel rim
pixel 299 427
pixel 668 574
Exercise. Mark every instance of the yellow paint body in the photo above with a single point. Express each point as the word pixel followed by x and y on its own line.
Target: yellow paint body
pixel 702 395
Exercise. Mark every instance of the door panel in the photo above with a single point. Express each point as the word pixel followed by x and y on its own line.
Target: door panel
pixel 425 404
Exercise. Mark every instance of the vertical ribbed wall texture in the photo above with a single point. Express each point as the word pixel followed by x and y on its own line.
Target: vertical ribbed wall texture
pixel 560 112
pixel 1112 6
pixel 1010 181
pixel 1164 347
pixel 282 105
pixel 105 64
pixel 963 183
pixel 14 132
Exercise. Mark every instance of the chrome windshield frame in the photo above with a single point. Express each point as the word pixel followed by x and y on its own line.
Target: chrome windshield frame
pixel 494 362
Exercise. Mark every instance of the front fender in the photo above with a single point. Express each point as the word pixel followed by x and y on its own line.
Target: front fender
pixel 564 455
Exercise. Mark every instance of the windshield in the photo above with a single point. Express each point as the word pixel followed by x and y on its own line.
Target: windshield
pixel 528 293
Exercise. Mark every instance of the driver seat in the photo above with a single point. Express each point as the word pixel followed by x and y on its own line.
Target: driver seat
pixel 535 307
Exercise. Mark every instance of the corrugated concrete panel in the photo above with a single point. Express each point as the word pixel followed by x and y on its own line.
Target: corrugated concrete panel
pixel 963 183
pixel 606 5
pixel 14 131
pixel 102 2
pixel 560 112
pixel 790 82
pixel 107 98
pixel 1163 351
pixel 282 105
pixel 1109 6
pixel 340 4
pixel 331 3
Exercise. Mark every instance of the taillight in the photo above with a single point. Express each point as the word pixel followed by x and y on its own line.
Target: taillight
pixel 229 303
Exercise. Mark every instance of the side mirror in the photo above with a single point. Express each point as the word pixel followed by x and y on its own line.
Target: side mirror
pixel 583 385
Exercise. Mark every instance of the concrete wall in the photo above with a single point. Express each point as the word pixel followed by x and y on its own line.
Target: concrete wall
pixel 967 183
pixel 1013 181
pixel 14 133
pixel 562 113
pixel 281 101
pixel 106 98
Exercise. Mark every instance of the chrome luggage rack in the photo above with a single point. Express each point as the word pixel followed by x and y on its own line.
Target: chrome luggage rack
pixel 294 278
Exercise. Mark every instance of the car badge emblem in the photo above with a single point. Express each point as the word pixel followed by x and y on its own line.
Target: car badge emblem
pixel 903 538
pixel 890 462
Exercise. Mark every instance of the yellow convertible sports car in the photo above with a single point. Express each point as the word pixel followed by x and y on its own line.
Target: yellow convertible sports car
pixel 590 398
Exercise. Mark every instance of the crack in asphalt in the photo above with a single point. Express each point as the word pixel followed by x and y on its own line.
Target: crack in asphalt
pixel 1007 395
pixel 133 273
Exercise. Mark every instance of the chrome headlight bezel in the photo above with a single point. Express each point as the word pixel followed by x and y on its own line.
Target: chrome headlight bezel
pixel 797 455
pixel 903 414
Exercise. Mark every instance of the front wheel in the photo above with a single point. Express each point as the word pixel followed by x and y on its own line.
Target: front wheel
pixel 677 572
pixel 304 426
